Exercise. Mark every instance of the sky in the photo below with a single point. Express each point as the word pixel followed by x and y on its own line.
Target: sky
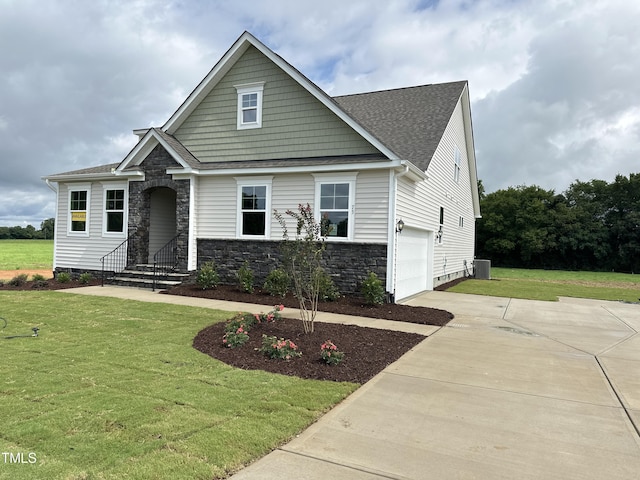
pixel 554 84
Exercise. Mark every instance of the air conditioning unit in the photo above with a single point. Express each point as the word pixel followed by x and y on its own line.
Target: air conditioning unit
pixel 482 269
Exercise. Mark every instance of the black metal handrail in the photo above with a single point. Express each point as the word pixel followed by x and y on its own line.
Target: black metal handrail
pixel 116 260
pixel 165 259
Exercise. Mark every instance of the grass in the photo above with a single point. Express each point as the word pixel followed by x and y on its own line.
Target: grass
pixel 113 389
pixel 26 254
pixel 551 284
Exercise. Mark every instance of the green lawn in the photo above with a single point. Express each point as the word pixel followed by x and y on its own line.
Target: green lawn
pixel 26 254
pixel 550 284
pixel 113 389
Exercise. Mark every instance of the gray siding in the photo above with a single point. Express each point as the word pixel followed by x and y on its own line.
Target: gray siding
pixel 294 123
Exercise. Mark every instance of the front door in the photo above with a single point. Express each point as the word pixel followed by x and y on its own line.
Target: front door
pixel 162 219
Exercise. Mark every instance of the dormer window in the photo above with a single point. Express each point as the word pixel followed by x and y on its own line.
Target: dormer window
pixel 250 105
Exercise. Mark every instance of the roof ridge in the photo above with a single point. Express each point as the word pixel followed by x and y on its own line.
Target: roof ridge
pixel 400 88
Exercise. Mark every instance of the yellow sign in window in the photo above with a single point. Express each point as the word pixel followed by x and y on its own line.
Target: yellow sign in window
pixel 78 216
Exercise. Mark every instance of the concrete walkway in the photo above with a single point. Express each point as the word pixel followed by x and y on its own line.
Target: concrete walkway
pixel 510 389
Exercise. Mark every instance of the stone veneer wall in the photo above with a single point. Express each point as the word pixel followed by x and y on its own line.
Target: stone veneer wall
pixel 347 263
pixel 154 167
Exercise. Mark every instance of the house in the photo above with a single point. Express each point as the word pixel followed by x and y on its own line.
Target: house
pixel 394 172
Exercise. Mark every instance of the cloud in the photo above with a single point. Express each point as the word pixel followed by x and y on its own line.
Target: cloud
pixel 553 83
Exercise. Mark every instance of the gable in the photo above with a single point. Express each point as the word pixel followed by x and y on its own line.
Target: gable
pixel 295 124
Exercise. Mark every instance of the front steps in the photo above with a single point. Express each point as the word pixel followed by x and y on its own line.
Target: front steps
pixel 141 276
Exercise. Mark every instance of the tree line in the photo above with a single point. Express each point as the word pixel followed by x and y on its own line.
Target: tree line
pixel 593 225
pixel 29 232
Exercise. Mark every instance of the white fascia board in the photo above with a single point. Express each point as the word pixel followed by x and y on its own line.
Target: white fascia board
pixel 280 170
pixel 207 84
pixel 79 177
pixel 471 150
pixel 144 148
pixel 414 171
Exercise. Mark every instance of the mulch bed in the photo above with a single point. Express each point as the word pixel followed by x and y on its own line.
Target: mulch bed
pixel 347 305
pixel 49 284
pixel 367 350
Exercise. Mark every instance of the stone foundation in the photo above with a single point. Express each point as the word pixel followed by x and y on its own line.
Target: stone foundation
pixel 347 263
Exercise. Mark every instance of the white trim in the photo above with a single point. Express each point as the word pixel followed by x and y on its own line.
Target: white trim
pixel 247 89
pixel 344 167
pixel 191 246
pixel 263 181
pixel 124 186
pixel 457 164
pixel 80 187
pixel 144 147
pixel 332 178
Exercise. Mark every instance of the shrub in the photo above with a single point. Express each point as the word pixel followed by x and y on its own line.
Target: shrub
pixel 372 290
pixel 18 280
pixel 328 292
pixel 302 257
pixel 277 282
pixel 207 276
pixel 63 277
pixel 330 354
pixel 245 277
pixel 85 278
pixel 235 338
pixel 38 278
pixel 281 349
pixel 272 316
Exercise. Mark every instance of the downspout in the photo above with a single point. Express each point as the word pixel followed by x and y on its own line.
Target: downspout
pixel 392 234
pixel 56 190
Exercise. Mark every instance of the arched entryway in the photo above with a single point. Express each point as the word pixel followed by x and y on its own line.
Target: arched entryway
pixel 162 218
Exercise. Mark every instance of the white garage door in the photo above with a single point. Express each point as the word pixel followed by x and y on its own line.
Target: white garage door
pixel 412 262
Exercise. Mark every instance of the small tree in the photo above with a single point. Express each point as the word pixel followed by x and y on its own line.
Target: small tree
pixel 302 259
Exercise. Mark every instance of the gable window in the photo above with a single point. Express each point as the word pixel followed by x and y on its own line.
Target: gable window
pixel 457 161
pixel 334 205
pixel 114 211
pixel 254 205
pixel 250 105
pixel 78 210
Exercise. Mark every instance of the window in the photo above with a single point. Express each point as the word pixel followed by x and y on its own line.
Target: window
pixel 457 161
pixel 254 205
pixel 250 105
pixel 114 211
pixel 334 205
pixel 78 211
pixel 461 222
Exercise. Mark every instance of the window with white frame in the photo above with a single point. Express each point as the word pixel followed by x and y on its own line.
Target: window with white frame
pixel 461 222
pixel 79 210
pixel 114 214
pixel 457 162
pixel 250 105
pixel 334 205
pixel 254 206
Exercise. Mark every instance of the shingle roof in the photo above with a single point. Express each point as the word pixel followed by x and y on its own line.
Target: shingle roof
pixel 409 121
pixel 97 170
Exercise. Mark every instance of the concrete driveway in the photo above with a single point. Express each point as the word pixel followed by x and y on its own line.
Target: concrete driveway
pixel 511 389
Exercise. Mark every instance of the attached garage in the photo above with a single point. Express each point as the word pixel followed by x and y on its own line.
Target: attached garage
pixel 414 260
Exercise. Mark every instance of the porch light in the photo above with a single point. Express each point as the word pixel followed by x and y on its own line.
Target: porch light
pixel 399 226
